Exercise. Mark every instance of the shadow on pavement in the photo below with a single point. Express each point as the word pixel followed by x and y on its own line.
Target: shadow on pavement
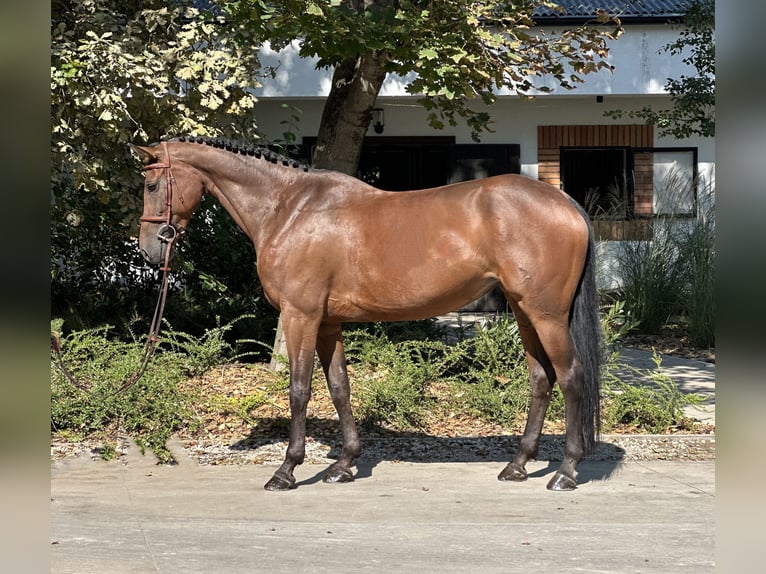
pixel 381 445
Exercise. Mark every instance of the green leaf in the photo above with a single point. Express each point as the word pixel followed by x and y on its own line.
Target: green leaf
pixel 458 56
pixel 314 10
pixel 428 54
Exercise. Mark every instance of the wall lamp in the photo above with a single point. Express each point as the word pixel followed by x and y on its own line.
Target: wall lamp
pixel 378 120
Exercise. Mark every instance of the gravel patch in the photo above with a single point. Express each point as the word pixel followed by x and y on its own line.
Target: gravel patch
pixel 475 449
pixel 419 449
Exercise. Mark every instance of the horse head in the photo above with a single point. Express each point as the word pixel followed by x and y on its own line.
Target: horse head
pixel 173 190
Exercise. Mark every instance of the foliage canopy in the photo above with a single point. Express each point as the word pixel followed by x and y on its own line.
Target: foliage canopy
pixel 451 53
pixel 128 71
pixel 693 97
pixel 125 71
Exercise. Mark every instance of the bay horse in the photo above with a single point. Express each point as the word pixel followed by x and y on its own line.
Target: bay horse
pixel 332 249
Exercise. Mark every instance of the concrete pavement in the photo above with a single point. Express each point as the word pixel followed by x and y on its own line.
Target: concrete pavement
pixel 111 517
pixel 132 516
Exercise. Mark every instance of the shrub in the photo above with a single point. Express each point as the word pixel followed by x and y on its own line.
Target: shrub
pixel 391 378
pixel 652 280
pixel 97 275
pixel 616 321
pixel 492 371
pixel 697 254
pixel 487 373
pixel 150 410
pixel 653 406
pixel 672 275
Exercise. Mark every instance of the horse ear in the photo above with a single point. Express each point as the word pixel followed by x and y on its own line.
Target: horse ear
pixel 144 154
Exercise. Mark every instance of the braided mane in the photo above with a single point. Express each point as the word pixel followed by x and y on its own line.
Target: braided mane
pixel 258 151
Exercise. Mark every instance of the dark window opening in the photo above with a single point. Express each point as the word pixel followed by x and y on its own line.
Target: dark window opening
pixel 407 163
pixel 598 179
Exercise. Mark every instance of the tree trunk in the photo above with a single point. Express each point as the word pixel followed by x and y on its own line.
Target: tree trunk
pixel 280 348
pixel 345 119
pixel 347 112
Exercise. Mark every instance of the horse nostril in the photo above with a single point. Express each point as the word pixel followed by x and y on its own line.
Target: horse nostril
pixel 146 256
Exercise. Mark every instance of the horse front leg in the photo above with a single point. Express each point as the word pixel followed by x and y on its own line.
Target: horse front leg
pixel 333 359
pixel 300 337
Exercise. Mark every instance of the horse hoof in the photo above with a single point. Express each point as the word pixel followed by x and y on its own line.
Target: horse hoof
pixel 513 472
pixel 561 482
pixel 280 483
pixel 336 474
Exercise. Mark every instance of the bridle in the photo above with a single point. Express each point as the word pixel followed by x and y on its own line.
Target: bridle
pixel 167 233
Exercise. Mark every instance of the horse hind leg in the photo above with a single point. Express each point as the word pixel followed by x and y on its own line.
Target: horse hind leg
pixel 333 360
pixel 541 387
pixel 558 342
pixel 552 359
pixel 571 382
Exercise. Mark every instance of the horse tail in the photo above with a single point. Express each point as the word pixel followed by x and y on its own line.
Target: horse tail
pixel 587 334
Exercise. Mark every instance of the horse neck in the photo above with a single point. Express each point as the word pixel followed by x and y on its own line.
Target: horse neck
pixel 252 190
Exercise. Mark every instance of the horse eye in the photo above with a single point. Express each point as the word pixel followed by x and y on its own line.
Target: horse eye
pixel 151 187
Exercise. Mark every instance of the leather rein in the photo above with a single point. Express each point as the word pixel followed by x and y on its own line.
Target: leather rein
pixel 168 234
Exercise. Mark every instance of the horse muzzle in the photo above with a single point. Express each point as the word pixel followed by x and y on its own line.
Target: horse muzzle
pixel 155 252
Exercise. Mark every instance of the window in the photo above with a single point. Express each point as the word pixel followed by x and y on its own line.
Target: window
pixel 598 179
pixel 403 164
pixel 406 163
pixel 675 181
pixel 601 165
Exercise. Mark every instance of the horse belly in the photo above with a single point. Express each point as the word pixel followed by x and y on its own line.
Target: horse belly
pixel 411 268
pixel 422 292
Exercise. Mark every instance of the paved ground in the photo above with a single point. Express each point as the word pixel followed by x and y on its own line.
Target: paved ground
pixel 140 518
pixel 132 516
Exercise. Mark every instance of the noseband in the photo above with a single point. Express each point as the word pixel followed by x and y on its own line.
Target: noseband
pixel 167 233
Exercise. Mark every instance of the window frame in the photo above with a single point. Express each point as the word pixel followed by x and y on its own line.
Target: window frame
pixel 694 178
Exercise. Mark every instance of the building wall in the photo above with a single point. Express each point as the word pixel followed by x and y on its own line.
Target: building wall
pixel 514 121
pixel 640 73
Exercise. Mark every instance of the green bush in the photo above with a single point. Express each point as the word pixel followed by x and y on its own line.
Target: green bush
pixel 653 406
pixel 697 252
pixel 652 281
pixel 97 274
pixel 486 374
pixel 671 276
pixel 616 321
pixel 150 410
pixel 492 371
pixel 391 377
